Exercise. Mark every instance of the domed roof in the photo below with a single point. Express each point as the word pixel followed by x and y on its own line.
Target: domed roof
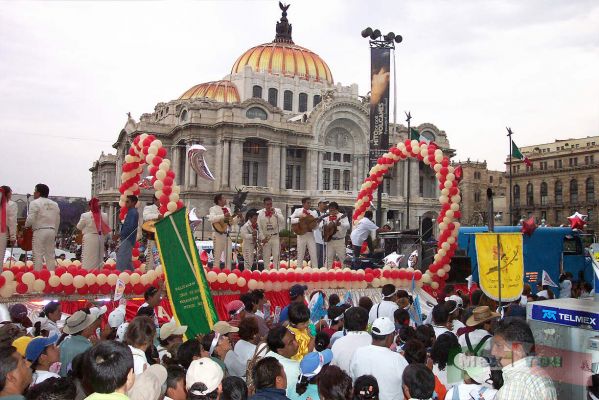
pixel 287 59
pixel 221 91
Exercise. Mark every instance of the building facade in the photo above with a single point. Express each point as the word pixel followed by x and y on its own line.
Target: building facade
pixel 277 125
pixel 560 181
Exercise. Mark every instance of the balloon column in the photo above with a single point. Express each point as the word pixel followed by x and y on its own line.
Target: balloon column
pixel 450 198
pixel 147 150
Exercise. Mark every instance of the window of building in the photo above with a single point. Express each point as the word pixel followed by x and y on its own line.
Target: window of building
pixel 289 177
pixel 573 161
pixel 336 179
pixel 245 177
pixel 590 190
pixel 558 192
pixel 543 165
pixel 346 180
pixel 326 179
pixel 517 196
pixel 257 91
pixel 316 100
pixel 298 177
pixel 573 191
pixel 558 217
pixel 347 158
pixel 530 167
pixel 273 97
pixel 251 147
pixel 183 115
pixel 288 100
pixel 254 174
pixel 477 196
pixel 336 156
pixel 303 102
pixel 500 180
pixel 327 156
pixel 421 186
pixel 529 195
pixel 387 186
pixel 544 194
pixel 256 113
pixel 557 164
pixel 490 178
pixel 588 160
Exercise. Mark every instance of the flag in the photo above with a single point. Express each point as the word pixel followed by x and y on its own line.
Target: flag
pixel 119 289
pixel 416 304
pixel 347 299
pixel 316 307
pixel 546 280
pixel 187 287
pixel 414 134
pixel 413 259
pixel 516 153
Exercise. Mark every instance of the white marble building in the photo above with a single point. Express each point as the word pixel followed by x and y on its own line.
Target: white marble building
pixel 277 125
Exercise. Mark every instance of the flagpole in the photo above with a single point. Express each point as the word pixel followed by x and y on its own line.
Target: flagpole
pixel 409 117
pixel 509 134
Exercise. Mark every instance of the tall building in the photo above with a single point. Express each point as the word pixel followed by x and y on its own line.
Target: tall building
pixel 278 125
pixel 559 182
pixel 476 179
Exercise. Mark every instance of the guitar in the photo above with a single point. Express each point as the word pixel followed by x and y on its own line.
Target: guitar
pixel 307 223
pixel 330 228
pixel 222 226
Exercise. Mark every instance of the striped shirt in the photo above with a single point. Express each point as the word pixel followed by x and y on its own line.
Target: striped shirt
pixel 524 381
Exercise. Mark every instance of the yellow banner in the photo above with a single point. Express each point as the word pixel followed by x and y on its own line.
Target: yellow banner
pixel 500 250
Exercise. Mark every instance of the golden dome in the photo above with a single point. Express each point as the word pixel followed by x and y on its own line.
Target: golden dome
pixel 221 91
pixel 287 59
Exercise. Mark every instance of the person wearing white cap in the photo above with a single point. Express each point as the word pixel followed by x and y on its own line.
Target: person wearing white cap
pixel 117 317
pixel 81 326
pixel 204 378
pixel 380 361
pixel 477 375
pixel 170 334
pixel 307 239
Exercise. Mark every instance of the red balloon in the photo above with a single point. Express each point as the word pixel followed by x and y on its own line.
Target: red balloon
pixel 417 275
pixel 167 190
pixel 168 181
pixel 291 276
pixel 368 277
pixel 22 288
pixel 156 160
pixel 93 289
pixel 162 152
pixel 105 288
pixel 256 275
pixel 529 226
pixel 394 274
pixel 83 290
pixel 69 289
pixel 138 288
pixel 403 274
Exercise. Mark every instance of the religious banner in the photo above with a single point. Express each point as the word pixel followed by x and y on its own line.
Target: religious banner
pixel 503 251
pixel 188 290
pixel 379 102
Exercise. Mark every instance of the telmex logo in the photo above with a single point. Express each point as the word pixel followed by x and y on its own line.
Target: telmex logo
pixel 550 314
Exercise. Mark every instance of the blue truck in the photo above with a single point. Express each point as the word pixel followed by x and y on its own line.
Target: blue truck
pixel 555 250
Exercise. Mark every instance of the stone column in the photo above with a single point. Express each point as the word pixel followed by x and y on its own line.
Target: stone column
pixel 273 169
pixel 356 180
pixel 320 158
pixel 283 167
pixel 223 147
pixel 310 179
pixel 187 169
pixel 235 164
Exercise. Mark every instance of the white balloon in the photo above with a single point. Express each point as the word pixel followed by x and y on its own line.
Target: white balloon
pixel 174 197
pixel 156 143
pixel 158 185
pixel 445 192
pixel 171 206
pixel 149 158
pixel 153 150
pixel 160 175
pixel 443 199
pixel 450 177
pixel 177 189
pixel 164 166
pixel 455 207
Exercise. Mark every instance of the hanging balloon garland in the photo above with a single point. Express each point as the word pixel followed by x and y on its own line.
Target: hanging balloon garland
pixel 448 177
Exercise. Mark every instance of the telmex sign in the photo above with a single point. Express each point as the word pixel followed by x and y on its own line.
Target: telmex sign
pixel 565 317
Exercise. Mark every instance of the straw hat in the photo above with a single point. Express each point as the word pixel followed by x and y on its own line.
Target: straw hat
pixel 81 320
pixel 480 315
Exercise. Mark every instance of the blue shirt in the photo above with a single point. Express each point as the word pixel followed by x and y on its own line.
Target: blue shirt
pixel 129 227
pixel 269 394
pixel 284 316
pixel 69 349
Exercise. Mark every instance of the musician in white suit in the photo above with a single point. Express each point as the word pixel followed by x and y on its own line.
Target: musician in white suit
pixel 94 225
pixel 151 213
pixel 307 239
pixel 336 246
pixel 44 219
pixel 249 234
pixel 222 243
pixel 8 220
pixel 270 222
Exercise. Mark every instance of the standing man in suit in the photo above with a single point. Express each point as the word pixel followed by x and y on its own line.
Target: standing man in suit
pixel 8 220
pixel 44 219
pixel 336 246
pixel 220 213
pixel 307 239
pixel 128 235
pixel 270 221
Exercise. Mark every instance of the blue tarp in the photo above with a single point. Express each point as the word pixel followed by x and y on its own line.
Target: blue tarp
pixel 542 251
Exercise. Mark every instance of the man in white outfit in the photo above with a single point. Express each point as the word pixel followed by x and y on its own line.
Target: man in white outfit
pixel 323 204
pixel 222 244
pixel 94 226
pixel 8 220
pixel 336 246
pixel 307 239
pixel 151 212
pixel 44 219
pixel 249 234
pixel 270 221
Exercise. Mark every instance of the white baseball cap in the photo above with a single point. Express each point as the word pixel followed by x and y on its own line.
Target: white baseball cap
pixel 116 317
pixel 205 371
pixel 383 326
pixel 477 368
pixel 171 328
pixel 121 331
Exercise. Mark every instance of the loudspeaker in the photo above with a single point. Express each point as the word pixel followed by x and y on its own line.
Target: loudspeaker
pixel 461 268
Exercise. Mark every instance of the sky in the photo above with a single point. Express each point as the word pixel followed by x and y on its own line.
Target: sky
pixel 70 71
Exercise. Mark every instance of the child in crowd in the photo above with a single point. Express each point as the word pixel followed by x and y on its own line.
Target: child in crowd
pixel 110 366
pixel 299 319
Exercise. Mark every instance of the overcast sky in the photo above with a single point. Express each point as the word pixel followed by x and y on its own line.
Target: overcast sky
pixel 70 71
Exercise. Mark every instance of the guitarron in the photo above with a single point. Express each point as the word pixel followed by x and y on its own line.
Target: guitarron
pixel 306 224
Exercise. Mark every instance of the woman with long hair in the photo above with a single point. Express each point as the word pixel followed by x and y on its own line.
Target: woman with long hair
pixel 46 324
pixel 93 225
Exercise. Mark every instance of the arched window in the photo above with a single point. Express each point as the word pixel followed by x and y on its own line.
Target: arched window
pixel 590 190
pixel 303 102
pixel 559 198
pixel 529 195
pixel 573 191
pixel 183 115
pixel 517 196
pixel 316 100
pixel 257 91
pixel 544 195
pixel 273 97
pixel 256 113
pixel 288 100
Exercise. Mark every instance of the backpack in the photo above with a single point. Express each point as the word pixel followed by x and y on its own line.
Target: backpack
pixel 259 353
pixel 474 351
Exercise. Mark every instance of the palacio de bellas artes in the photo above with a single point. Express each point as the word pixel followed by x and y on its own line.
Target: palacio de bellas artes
pixel 290 200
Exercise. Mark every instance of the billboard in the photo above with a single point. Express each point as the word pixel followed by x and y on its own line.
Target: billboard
pixel 379 101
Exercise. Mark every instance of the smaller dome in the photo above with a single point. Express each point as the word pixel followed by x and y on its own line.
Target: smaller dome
pixel 221 91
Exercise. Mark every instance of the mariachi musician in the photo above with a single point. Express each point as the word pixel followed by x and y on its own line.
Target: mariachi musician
pixel 151 212
pixel 44 219
pixel 249 234
pixel 94 225
pixel 305 239
pixel 339 224
pixel 8 220
pixel 221 218
pixel 270 221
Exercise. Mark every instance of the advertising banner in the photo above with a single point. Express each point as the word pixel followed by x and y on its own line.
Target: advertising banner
pixel 379 102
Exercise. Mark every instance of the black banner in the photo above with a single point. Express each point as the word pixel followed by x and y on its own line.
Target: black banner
pixel 379 102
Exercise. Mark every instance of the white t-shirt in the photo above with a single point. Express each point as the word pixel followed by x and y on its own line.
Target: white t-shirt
pixel 464 390
pixel 565 289
pixel 245 350
pixel 140 362
pixel 40 376
pixel 361 231
pixel 439 330
pixel 385 308
pixel 457 324
pixel 385 365
pixel 343 349
pixel 475 337
pixel 543 293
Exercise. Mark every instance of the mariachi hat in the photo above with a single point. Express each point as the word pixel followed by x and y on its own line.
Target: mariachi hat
pixel 480 315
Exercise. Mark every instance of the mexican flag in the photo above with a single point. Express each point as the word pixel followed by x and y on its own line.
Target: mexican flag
pixel 414 134
pixel 517 154
pixel 188 289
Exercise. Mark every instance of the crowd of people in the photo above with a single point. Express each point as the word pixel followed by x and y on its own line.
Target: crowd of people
pixel 462 350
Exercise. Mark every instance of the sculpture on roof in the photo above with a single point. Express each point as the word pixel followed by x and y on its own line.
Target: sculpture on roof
pixel 283 26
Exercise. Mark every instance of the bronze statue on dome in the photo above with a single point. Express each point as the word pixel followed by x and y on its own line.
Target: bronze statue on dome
pixel 283 26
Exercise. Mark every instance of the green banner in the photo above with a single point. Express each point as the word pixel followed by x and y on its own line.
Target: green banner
pixel 188 290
